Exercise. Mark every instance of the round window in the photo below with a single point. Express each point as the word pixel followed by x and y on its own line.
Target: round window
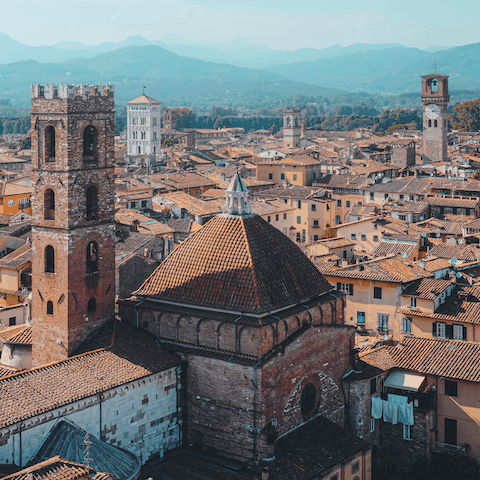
pixel 309 396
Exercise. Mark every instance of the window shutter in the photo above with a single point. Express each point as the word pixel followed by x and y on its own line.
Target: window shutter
pixel 339 286
pixel 434 329
pixel 351 289
pixel 449 331
pixel 464 336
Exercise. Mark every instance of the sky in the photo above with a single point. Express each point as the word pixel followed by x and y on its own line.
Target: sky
pixel 279 24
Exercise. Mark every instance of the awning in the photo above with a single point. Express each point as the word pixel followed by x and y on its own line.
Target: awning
pixel 404 380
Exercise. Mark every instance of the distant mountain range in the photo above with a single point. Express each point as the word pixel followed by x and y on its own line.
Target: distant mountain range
pixel 235 73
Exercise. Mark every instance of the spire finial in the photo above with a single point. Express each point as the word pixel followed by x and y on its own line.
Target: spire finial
pixel 236 197
pixel 144 87
pixel 435 66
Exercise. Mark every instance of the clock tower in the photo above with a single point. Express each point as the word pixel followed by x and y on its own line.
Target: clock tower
pixel 435 100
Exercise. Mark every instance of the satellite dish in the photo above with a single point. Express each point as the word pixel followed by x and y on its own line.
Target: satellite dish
pixel 385 337
pixel 403 255
pixel 453 261
pixel 458 275
pixel 421 219
pixel 424 234
pixel 437 234
pixel 460 241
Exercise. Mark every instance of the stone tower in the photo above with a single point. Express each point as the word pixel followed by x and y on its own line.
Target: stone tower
pixel 170 118
pixel 143 126
pixel 435 100
pixel 73 265
pixel 291 128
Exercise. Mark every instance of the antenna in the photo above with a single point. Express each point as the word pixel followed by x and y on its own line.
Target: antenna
pixel 144 87
pixel 435 66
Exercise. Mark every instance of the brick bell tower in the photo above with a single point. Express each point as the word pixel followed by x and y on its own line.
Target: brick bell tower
pixel 435 100
pixel 73 265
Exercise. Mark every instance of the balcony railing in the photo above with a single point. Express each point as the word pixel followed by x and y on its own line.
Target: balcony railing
pixel 447 447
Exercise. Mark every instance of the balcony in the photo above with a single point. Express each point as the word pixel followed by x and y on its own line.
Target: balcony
pixel 438 447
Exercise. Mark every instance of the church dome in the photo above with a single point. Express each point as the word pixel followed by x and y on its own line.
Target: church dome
pixel 236 262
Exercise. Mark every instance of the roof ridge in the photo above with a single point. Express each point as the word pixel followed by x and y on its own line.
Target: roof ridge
pixel 252 268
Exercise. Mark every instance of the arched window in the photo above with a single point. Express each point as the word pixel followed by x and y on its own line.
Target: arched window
pixel 49 204
pixel 309 397
pixel 50 144
pixel 49 308
pixel 92 258
pixel 90 141
pixel 92 203
pixel 429 123
pixel 92 305
pixel 139 150
pixel 49 259
pixel 435 123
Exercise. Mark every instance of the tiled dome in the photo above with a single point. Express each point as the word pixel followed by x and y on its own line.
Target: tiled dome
pixel 238 263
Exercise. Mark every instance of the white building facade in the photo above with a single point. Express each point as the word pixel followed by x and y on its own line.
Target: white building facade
pixel 143 126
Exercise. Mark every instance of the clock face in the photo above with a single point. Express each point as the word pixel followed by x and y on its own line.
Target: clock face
pixel 432 111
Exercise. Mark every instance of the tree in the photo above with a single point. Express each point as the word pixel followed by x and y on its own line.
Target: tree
pixel 448 466
pixel 185 118
pixel 466 116
pixel 273 129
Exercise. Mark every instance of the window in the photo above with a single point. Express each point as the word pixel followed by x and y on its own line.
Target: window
pixel 269 218
pixel 372 425
pixel 339 203
pixel 282 176
pixel 270 176
pixel 299 237
pixel 284 216
pixel 49 307
pixel 92 258
pixel 92 305
pixel 276 218
pixel 12 321
pixel 371 196
pixel 90 141
pixel 50 143
pixel 373 386
pixel 375 238
pixel 145 203
pixel 335 477
pixel 299 220
pixel 439 329
pixel 435 124
pixel 459 332
pixel 299 204
pixel 49 259
pixel 450 388
pixel 407 432
pixel 314 207
pixel 308 399
pixel 348 203
pixel 386 196
pixel 353 236
pixel 315 238
pixel 450 431
pixel 407 325
pixel 315 224
pixel 338 219
pixel 364 237
pixel 413 302
pixel 377 292
pixel 345 287
pixel 49 204
pixel 361 317
pixel 304 236
pixel 382 319
pixel 294 177
pixel 11 203
pixel 355 467
pixel 375 227
pixel 134 204
pixel 92 203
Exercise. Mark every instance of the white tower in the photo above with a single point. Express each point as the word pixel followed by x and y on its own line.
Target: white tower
pixel 143 126
pixel 291 128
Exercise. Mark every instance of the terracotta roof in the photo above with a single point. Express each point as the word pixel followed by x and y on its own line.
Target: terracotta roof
pixel 313 450
pixel 427 288
pixel 18 334
pixel 432 264
pixel 146 225
pixel 337 242
pixel 461 252
pixel 453 202
pixel 18 257
pixel 390 248
pixel 143 99
pixel 52 469
pixel 443 358
pixel 134 355
pixel 237 263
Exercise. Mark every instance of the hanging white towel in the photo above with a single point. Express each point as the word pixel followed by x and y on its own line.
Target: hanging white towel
pixel 404 409
pixel 390 412
pixel 377 407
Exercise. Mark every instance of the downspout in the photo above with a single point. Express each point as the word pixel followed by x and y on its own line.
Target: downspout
pixel 255 367
pixel 136 310
pixel 20 442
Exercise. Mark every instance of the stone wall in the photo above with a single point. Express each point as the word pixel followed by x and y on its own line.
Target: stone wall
pixel 142 417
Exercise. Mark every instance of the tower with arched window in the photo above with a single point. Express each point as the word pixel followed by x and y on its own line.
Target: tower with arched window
pixel 73 213
pixel 143 126
pixel 435 100
pixel 291 128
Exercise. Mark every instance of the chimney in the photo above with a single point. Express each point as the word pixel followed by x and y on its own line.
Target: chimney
pixel 135 225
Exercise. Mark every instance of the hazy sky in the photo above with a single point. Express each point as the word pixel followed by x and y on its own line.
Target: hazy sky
pixel 282 24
